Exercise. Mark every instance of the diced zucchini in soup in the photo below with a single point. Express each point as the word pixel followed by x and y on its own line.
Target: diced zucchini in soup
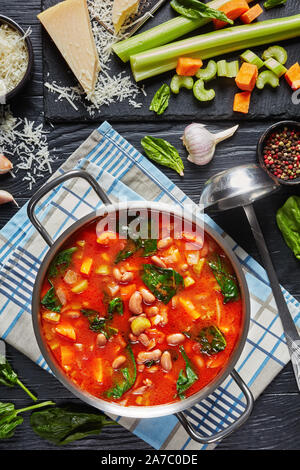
pixel 80 287
pixel 129 330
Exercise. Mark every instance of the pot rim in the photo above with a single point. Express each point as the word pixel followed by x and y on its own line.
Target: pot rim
pixel 139 411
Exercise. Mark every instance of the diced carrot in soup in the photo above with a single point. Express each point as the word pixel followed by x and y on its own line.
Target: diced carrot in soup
pixel 147 321
pixel 66 330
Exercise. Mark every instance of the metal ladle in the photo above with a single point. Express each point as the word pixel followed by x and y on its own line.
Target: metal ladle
pixel 240 187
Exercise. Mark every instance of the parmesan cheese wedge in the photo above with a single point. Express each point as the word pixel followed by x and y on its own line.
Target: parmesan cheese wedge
pixel 68 24
pixel 122 10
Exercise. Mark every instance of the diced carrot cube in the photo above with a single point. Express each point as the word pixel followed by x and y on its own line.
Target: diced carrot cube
pixel 292 76
pixel 66 330
pixel 251 15
pixel 98 369
pixel 232 9
pixel 242 102
pixel 66 355
pixel 189 308
pixel 86 266
pixel 188 66
pixel 246 77
pixel 127 291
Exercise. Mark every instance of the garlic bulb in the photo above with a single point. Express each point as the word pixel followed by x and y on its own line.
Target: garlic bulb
pixel 201 144
pixel 5 164
pixel 5 197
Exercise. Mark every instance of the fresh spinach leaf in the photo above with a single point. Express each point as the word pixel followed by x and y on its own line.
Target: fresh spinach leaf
pixel 62 425
pixel 164 283
pixel 226 281
pixel 50 300
pixel 195 9
pixel 211 340
pixel 162 152
pixel 274 3
pixel 288 221
pixel 9 377
pixel 160 100
pixel 118 390
pixel 115 305
pixel 9 419
pixel 61 262
pixel 186 377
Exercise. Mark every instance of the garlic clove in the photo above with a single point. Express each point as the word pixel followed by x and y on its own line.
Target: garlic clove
pixel 5 164
pixel 201 144
pixel 5 197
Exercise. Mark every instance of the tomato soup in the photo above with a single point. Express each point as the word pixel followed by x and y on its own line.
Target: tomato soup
pixel 140 322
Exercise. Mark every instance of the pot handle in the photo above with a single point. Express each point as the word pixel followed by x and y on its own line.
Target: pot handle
pixel 52 184
pixel 196 436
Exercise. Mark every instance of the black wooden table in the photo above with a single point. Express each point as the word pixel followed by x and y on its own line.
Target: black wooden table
pixel 274 423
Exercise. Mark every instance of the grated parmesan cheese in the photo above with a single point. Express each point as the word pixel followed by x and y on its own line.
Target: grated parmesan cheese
pixel 108 89
pixel 13 57
pixel 26 142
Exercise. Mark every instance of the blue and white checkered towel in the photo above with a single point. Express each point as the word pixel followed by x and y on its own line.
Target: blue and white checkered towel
pixel 126 175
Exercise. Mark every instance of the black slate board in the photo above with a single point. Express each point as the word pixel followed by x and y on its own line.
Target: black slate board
pixel 265 104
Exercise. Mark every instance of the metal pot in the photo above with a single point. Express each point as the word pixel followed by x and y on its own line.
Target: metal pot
pixel 176 408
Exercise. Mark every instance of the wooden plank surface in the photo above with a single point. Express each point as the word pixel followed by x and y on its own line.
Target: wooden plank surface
pixel 274 423
pixel 265 104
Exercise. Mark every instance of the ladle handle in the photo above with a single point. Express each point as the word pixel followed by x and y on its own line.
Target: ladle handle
pixel 290 330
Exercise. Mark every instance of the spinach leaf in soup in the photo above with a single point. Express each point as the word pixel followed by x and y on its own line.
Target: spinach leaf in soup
pixel 211 340
pixel 162 152
pixel 288 221
pixel 164 283
pixel 131 247
pixel 99 324
pixel 115 305
pixel 160 100
pixel 149 247
pixel 195 9
pixel 129 378
pixel 226 280
pixel 50 301
pixel 186 377
pixel 61 262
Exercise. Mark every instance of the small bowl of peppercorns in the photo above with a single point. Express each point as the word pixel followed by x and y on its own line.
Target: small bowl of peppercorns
pixel 278 151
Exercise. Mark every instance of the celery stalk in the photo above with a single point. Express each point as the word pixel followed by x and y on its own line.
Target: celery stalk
pixel 206 46
pixel 161 34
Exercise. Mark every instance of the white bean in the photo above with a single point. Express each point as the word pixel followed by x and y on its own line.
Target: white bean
pixel 158 262
pixel 135 303
pixel 148 297
pixel 118 362
pixel 175 338
pixel 145 356
pixel 101 340
pixel 166 361
pixel 164 243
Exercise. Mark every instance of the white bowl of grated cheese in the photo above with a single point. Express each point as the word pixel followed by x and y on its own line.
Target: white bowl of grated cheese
pixel 16 58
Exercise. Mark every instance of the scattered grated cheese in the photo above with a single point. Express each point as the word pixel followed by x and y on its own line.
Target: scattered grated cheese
pixel 27 143
pixel 13 57
pixel 109 89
